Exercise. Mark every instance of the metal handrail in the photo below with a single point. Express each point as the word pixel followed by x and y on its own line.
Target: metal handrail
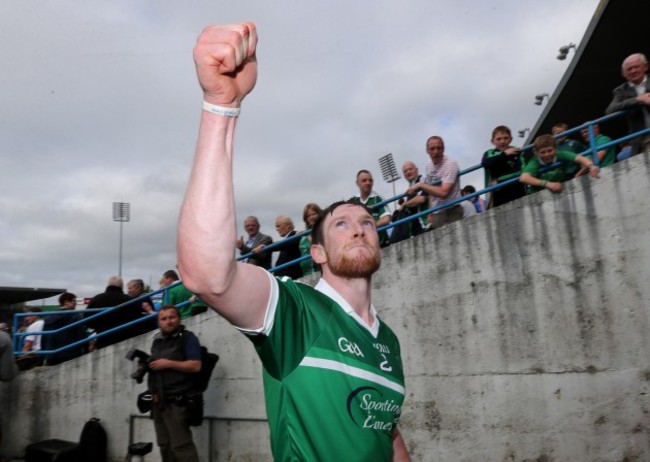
pixel 591 151
pixel 99 312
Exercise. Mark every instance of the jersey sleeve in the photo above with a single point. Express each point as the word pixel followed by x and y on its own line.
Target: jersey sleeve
pixel 299 317
pixel 381 211
pixel 566 156
pixel 532 167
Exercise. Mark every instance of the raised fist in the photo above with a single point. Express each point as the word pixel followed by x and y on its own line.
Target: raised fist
pixel 225 62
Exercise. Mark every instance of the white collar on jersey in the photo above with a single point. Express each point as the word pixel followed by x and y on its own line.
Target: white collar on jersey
pixel 324 288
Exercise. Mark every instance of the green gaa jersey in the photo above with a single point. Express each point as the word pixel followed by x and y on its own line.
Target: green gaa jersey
pixel 334 386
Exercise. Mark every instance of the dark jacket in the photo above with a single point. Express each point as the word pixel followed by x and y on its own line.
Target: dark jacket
pixel 66 337
pixel 169 382
pixel 624 99
pixel 262 259
pixel 113 296
pixel 289 251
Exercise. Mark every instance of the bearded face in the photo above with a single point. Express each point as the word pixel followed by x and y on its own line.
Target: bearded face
pixel 355 266
pixel 351 245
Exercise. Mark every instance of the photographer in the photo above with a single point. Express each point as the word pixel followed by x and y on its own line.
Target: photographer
pixel 175 358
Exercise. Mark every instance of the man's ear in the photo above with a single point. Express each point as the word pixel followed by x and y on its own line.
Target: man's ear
pixel 317 253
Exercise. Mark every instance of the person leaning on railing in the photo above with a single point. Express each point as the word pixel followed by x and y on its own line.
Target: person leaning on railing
pixel 546 154
pixel 67 302
pixel 502 163
pixel 634 97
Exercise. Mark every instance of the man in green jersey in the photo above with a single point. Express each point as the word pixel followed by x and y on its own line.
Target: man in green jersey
pixel 370 199
pixel 333 375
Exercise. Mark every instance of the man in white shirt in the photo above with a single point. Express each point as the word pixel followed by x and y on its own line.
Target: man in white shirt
pixel 33 342
pixel 442 183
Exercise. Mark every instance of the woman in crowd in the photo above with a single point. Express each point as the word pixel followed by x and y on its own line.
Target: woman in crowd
pixel 310 214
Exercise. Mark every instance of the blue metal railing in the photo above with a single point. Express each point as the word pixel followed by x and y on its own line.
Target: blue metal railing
pixel 591 152
pixel 84 318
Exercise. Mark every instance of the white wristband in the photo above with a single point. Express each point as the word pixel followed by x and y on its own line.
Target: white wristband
pixel 220 110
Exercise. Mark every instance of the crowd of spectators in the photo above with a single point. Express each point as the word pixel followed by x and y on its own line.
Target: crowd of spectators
pixel 510 173
pixel 101 323
pixel 435 198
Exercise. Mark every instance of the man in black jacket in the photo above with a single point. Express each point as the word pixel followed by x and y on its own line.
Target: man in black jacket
pixel 289 250
pixel 113 296
pixel 68 302
pixel 176 354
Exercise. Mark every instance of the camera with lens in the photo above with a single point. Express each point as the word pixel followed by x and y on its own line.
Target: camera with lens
pixel 143 360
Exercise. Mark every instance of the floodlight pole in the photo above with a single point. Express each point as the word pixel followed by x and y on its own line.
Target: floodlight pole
pixel 389 171
pixel 121 213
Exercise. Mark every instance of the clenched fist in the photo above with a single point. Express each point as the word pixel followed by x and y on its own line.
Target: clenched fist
pixel 225 63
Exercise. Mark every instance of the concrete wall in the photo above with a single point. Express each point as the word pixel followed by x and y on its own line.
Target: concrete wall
pixel 524 333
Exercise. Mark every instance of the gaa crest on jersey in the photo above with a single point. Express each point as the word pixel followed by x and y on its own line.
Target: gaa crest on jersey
pixel 370 409
pixel 346 346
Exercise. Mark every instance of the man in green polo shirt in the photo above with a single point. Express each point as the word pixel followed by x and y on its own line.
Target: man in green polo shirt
pixel 536 178
pixel 333 375
pixel 370 199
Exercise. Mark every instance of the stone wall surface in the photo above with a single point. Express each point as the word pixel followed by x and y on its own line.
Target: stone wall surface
pixel 524 336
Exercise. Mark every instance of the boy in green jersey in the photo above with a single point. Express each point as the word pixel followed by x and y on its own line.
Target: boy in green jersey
pixel 546 154
pixel 333 374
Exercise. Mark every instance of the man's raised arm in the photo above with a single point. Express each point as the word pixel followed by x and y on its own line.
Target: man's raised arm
pixel 226 67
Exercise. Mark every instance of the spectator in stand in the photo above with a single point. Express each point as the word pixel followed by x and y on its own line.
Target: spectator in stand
pixel 442 184
pixel 8 368
pixel 625 152
pixel 255 243
pixel 410 205
pixel 188 304
pixel 369 198
pixel 67 302
pixel 113 296
pixel 31 342
pixel 634 97
pixel 35 324
pixel 565 143
pixel 310 215
pixel 502 163
pixel 546 154
pixel 607 156
pixel 135 289
pixel 477 201
pixel 289 250
pixel 468 209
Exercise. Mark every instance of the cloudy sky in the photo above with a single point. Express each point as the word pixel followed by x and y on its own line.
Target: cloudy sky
pixel 100 104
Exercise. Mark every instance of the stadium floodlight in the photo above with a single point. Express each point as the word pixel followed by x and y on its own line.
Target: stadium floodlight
pixel 388 170
pixel 564 51
pixel 539 99
pixel 122 214
pixel 523 132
